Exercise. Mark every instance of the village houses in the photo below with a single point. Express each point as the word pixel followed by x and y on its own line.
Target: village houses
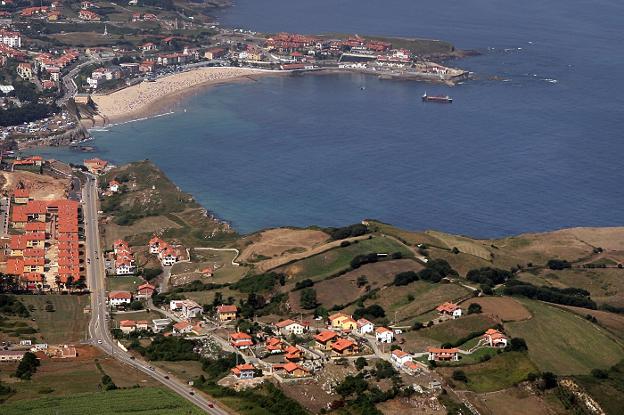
pixel 384 335
pixel 450 309
pixel 443 355
pixel 365 327
pixel 118 298
pixel 399 357
pixel 244 371
pixel 288 327
pixel 495 338
pixel 241 340
pixel 227 312
pixel 342 321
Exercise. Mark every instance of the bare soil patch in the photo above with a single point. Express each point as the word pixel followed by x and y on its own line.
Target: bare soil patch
pixel 501 308
pixel 276 242
pixel 41 187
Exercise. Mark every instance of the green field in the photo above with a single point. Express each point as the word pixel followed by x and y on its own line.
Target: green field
pixel 123 283
pixel 564 343
pixel 67 324
pixel 153 401
pixel 453 330
pixel 328 263
pixel 502 371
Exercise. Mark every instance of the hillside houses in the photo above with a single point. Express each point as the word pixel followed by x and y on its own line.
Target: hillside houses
pixel 289 327
pixel 495 338
pixel 124 263
pixel 187 309
pixel 166 253
pixel 384 335
pixel 227 312
pixel 449 310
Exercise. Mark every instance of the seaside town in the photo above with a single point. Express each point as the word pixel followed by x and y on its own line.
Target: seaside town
pixel 66 66
pixel 120 293
pixel 256 314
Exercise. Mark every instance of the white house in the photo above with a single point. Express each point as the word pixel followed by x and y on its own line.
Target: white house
pixel 450 309
pixel 399 357
pixel 495 338
pixel 384 335
pixel 168 256
pixel 113 186
pixel 288 327
pixel 365 326
pixel 191 309
pixel 117 298
pixel 155 245
pixel 124 265
pixel 160 324
pixel 175 305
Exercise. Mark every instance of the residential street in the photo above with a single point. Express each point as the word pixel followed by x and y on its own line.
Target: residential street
pixel 98 327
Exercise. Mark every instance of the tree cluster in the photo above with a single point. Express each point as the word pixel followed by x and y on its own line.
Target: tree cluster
pixel 567 296
pixel 347 231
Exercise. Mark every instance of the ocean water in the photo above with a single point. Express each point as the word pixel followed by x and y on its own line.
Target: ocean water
pixel 534 143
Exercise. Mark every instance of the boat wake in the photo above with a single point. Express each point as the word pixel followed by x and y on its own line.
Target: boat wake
pixel 164 114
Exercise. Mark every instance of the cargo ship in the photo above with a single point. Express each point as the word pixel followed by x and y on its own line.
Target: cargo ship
pixel 445 99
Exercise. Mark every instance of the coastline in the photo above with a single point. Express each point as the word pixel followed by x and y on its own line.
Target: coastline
pixel 156 98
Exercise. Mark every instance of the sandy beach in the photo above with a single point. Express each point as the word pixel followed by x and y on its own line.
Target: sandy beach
pixel 148 98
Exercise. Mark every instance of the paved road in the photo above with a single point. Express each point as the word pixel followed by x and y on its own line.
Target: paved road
pixel 98 327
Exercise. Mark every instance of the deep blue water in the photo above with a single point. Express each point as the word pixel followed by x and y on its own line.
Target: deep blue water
pixel 520 155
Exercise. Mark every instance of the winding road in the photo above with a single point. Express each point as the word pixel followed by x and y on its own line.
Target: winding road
pixel 99 333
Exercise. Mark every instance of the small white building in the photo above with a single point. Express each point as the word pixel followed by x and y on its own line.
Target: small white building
pixel 288 327
pixel 127 326
pixel 365 326
pixel 113 186
pixel 160 324
pixel 399 357
pixel 495 338
pixel 117 298
pixel 190 309
pixel 384 335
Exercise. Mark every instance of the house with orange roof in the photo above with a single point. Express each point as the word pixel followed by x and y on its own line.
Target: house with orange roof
pixel 241 340
pixel 495 338
pixel 291 369
pixel 227 312
pixel 335 320
pixel 443 355
pixel 384 335
pixel 95 165
pixel 182 327
pixel 21 196
pixel 450 309
pixel 293 354
pixel 168 256
pixel 145 291
pixel 89 16
pixel 273 345
pixel 113 186
pixel 244 371
pixel 155 244
pixel 127 326
pixel 32 227
pixel 325 339
pixel 344 347
pixel 400 358
pixel 117 298
pixel 288 327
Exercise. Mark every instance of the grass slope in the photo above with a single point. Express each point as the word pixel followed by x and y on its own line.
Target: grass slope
pixel 67 324
pixel 564 343
pixel 501 372
pixel 153 401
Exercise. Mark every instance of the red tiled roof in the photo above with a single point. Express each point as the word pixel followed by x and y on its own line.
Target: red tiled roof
pixel 325 336
pixel 227 309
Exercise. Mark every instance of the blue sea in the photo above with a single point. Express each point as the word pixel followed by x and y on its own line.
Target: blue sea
pixel 534 143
